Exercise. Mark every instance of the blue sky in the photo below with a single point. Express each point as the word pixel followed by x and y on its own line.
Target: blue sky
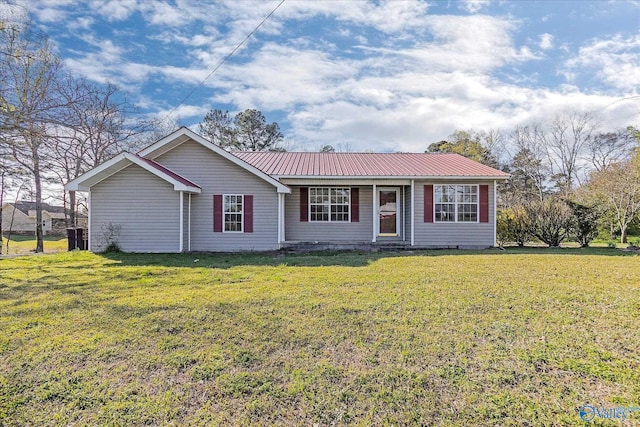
pixel 360 75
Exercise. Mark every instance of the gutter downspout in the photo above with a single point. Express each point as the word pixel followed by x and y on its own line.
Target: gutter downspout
pixel 181 240
pixel 89 226
pixel 189 227
pixel 375 213
pixel 280 219
pixel 413 212
pixel 495 214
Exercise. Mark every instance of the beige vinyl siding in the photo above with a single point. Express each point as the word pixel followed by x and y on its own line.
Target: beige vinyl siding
pixel 143 205
pixel 296 231
pixel 21 222
pixel 216 175
pixel 439 234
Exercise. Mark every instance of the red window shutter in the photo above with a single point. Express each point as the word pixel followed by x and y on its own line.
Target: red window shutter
pixel 355 205
pixel 484 203
pixel 248 214
pixel 217 213
pixel 428 203
pixel 304 204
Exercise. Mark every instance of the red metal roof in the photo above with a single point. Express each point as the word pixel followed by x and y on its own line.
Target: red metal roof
pixel 169 172
pixel 292 164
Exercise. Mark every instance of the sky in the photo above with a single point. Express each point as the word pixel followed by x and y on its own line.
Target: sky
pixel 358 75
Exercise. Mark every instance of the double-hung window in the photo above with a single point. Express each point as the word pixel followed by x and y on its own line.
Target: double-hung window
pixel 329 204
pixel 233 212
pixel 456 203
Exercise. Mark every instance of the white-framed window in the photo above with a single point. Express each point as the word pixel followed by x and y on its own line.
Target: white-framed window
pixel 455 203
pixel 233 212
pixel 329 204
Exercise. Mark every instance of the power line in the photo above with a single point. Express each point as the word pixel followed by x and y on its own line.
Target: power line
pixel 224 60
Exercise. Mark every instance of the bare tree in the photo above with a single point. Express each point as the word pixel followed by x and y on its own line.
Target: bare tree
pixel 96 130
pixel 8 170
pixel 618 187
pixel 529 168
pixel 30 103
pixel 566 139
pixel 608 148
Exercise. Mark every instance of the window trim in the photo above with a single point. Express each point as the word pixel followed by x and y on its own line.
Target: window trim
pixel 224 214
pixel 456 203
pixel 329 220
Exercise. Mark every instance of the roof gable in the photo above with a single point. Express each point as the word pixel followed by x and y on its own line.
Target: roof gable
pixel 183 134
pixel 345 165
pixel 123 160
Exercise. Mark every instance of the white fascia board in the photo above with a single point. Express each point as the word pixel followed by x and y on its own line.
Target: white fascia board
pixel 116 163
pixel 155 150
pixel 110 167
pixel 392 177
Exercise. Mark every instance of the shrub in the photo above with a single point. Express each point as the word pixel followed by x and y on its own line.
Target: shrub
pixel 550 220
pixel 513 225
pixel 584 227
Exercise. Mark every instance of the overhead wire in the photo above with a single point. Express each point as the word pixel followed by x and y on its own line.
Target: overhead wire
pixel 221 63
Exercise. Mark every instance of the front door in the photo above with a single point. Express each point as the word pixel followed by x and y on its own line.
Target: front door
pixel 388 204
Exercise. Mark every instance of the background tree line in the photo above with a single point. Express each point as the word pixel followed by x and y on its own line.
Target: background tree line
pixel 569 179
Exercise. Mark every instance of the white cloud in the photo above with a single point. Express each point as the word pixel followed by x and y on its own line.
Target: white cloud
pixel 114 10
pixel 47 11
pixel 615 61
pixel 474 6
pixel 465 43
pixel 280 77
pixel 546 41
pixel 386 76
pixel 183 112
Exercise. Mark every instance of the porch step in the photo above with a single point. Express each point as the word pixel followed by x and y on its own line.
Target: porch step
pixel 345 246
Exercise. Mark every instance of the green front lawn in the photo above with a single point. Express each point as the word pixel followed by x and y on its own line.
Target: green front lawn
pixel 21 244
pixel 520 337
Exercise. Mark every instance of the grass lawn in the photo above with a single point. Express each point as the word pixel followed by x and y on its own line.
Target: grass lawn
pixel 24 244
pixel 522 337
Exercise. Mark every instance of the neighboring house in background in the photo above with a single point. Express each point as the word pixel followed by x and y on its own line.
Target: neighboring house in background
pixel 184 193
pixel 24 219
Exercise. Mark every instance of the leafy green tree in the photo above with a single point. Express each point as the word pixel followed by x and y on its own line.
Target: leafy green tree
pixel 249 131
pixel 217 128
pixel 253 133
pixel 527 180
pixel 468 144
pixel 513 225
pixel 584 223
